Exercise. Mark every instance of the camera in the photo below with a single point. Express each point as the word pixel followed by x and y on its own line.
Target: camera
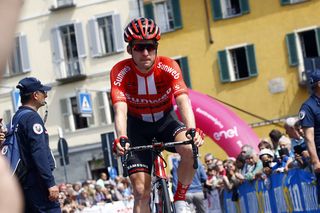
pixel 283 151
pixel 298 149
pixel 266 164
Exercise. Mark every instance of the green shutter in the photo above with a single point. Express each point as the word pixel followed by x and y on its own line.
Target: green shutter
pixel 176 14
pixel 292 49
pixel 251 60
pixel 244 5
pixel 223 66
pixel 185 71
pixel 148 11
pixel 318 40
pixel 216 9
pixel 284 2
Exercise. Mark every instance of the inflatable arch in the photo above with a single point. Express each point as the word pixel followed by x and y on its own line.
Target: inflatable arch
pixel 221 124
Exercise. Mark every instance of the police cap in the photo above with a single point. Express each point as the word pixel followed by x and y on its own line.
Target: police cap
pixel 314 77
pixel 30 84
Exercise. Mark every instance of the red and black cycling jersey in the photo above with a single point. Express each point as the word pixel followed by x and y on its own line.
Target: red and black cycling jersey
pixel 149 96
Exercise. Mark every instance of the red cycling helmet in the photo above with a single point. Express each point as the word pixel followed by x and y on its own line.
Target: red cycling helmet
pixel 142 29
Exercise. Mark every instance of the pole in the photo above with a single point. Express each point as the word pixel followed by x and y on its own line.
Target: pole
pixel 62 154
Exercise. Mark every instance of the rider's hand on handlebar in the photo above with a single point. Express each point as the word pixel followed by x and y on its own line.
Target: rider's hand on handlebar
pixel 119 144
pixel 197 135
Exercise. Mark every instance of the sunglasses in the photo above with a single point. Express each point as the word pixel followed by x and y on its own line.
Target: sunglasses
pixel 142 47
pixel 43 92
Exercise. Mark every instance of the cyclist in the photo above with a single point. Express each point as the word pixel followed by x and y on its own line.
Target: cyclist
pixel 142 88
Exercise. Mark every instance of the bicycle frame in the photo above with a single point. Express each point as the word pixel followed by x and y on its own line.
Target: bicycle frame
pixel 159 167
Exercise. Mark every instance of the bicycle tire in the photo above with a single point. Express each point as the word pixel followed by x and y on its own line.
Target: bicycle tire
pixel 167 206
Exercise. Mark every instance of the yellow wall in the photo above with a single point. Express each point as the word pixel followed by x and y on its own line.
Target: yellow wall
pixel 266 27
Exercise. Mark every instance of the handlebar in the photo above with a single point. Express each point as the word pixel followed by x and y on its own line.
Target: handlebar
pixel 160 146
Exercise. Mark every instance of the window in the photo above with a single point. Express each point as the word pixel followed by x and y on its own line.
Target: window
pixel 60 4
pixel 285 2
pixel 19 61
pixel 106 36
pixel 237 63
pixel 223 9
pixel 302 45
pixel 183 63
pixel 68 50
pixel 135 8
pixel 106 113
pixel 72 119
pixel 166 14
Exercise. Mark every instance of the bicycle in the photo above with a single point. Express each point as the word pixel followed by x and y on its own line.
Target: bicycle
pixel 160 199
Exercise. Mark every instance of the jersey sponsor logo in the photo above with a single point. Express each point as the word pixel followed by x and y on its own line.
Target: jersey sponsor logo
pixel 168 69
pixel 121 75
pixel 148 100
pixel 37 128
pixel 302 114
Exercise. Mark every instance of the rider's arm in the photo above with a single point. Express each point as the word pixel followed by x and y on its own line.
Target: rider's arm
pixel 185 109
pixel 120 118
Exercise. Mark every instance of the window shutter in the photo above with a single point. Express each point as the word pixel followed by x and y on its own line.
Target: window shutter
pixel 24 53
pixel 90 120
pixel 80 40
pixel 102 96
pixel 244 5
pixel 284 2
pixel 176 14
pixel 223 66
pixel 216 9
pixel 118 33
pixel 148 11
pixel 66 112
pixel 251 59
pixel 292 49
pixel 318 40
pixel 185 71
pixel 57 51
pixel 94 38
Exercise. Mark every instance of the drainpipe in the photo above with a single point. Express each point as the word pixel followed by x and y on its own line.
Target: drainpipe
pixel 208 22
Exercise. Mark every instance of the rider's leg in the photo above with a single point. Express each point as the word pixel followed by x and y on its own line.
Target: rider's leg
pixel 141 183
pixel 185 169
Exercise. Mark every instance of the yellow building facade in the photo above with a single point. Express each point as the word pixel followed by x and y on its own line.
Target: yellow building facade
pixel 277 90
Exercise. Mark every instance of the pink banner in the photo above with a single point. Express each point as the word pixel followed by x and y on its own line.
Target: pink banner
pixel 221 124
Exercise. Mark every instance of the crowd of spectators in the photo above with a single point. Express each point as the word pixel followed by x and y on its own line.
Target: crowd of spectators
pixel 279 152
pixel 75 197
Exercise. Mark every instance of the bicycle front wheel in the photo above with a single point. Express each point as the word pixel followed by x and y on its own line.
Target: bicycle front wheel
pixel 165 203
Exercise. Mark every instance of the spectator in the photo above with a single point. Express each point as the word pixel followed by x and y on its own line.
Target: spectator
pixel 84 199
pixel 265 144
pixel 285 155
pixel 102 180
pixel 100 195
pixel 293 130
pixel 267 156
pixel 209 159
pixel 275 135
pixel 253 166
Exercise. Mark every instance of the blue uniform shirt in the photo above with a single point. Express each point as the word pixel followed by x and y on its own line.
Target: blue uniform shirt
pixel 34 146
pixel 310 116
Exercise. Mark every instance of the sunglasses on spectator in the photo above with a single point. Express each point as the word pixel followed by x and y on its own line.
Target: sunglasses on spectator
pixel 142 47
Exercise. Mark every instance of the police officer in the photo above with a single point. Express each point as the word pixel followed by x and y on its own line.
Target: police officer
pixel 310 122
pixel 39 187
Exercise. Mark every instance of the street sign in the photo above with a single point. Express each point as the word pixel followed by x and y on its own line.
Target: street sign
pixel 84 104
pixel 16 100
